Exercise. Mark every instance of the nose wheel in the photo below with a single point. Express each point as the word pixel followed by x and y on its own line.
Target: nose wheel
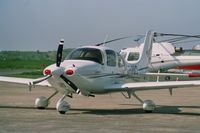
pixel 62 106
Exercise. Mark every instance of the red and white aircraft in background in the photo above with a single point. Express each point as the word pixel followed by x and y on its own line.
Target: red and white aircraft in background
pixel 93 70
pixel 190 69
pixel 166 58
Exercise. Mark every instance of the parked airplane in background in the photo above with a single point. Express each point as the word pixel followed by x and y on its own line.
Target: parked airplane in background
pixel 164 56
pixel 92 70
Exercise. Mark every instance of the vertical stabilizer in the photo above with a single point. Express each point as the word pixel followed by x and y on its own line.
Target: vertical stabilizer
pixel 143 63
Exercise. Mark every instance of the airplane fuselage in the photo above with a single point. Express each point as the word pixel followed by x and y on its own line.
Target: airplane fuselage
pixel 88 70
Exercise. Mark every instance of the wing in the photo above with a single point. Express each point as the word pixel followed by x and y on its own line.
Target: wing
pixel 142 86
pixel 173 74
pixel 26 81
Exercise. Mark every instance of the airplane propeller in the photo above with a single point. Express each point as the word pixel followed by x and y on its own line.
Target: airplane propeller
pixel 49 73
pixel 59 53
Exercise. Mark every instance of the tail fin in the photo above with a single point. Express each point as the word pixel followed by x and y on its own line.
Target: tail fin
pixel 142 65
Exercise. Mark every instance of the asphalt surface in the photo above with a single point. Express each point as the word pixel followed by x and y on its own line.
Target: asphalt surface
pixel 110 113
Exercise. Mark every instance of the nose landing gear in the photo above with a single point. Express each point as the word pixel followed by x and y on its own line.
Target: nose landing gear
pixel 62 106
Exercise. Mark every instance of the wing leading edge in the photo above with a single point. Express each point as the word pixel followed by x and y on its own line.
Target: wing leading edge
pixel 142 86
pixel 22 81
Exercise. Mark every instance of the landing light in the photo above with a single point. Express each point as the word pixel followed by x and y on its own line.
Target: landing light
pixel 69 72
pixel 47 72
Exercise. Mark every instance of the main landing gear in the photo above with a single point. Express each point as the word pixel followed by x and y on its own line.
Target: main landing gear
pixel 43 102
pixel 148 105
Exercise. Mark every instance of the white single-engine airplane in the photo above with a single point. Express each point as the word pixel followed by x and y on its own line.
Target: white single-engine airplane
pixel 92 70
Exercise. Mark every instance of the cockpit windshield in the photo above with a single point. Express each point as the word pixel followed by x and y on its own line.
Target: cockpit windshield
pixel 86 54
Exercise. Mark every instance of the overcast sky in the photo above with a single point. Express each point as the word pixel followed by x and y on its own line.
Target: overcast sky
pixel 39 24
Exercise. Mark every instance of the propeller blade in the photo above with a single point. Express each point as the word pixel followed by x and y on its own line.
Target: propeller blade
pixel 59 53
pixel 70 83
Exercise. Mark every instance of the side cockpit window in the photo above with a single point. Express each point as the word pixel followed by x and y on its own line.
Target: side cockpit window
pixel 133 56
pixel 111 58
pixel 86 54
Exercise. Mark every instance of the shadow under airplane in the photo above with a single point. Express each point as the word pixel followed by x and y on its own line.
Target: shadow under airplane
pixel 160 109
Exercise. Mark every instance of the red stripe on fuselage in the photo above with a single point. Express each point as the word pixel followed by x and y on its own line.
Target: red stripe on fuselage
pixel 193 67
